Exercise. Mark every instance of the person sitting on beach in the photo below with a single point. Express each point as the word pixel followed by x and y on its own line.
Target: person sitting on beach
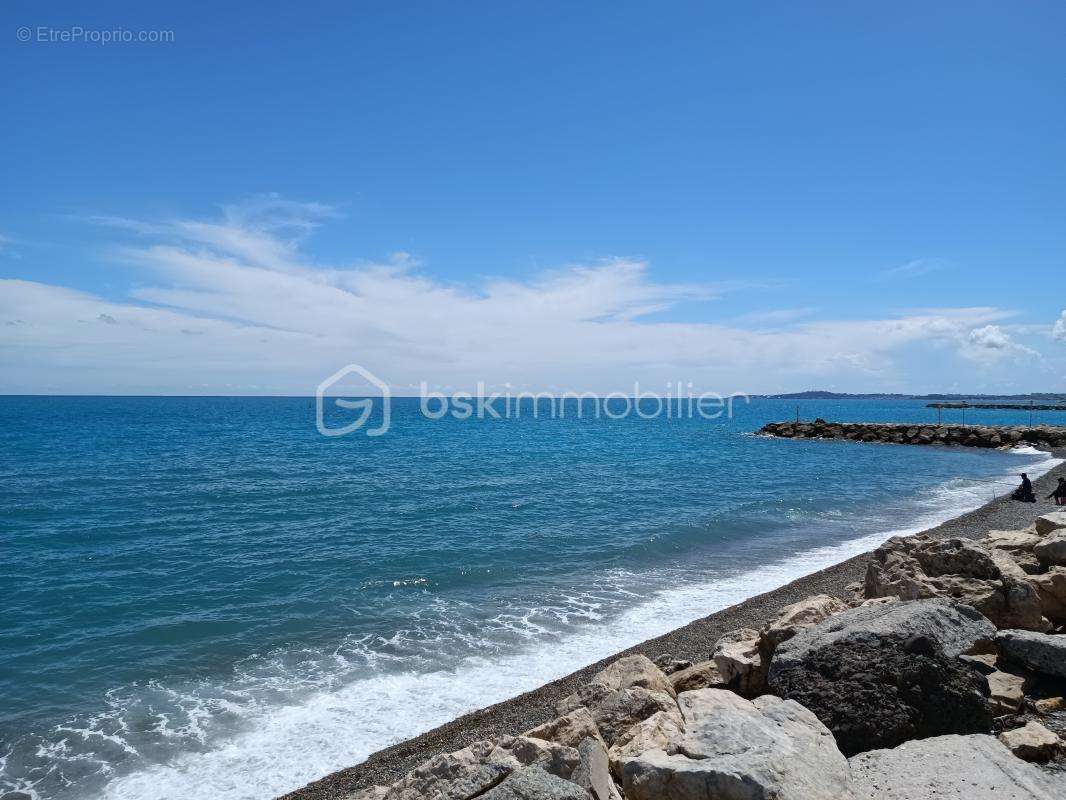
pixel 1059 495
pixel 1025 491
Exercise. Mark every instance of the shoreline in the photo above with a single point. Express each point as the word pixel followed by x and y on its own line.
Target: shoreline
pixel 693 641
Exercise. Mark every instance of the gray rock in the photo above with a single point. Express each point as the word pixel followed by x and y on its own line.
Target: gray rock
pixel 876 691
pixel 877 676
pixel 1052 548
pixel 653 733
pixel 954 627
pixel 1040 652
pixel 593 773
pixel 735 749
pixel 737 657
pixel 474 770
pixel 973 767
pixel 533 783
pixel 527 751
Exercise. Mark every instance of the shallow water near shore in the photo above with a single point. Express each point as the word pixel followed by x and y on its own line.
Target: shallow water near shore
pixel 207 598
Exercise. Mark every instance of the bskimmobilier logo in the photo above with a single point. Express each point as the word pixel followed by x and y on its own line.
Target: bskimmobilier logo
pixel 364 405
pixel 678 401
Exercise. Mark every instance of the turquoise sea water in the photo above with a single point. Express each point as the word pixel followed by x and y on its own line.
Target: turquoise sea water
pixel 204 597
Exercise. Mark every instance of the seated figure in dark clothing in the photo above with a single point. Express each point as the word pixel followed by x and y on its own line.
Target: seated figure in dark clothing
pixel 1059 495
pixel 1025 491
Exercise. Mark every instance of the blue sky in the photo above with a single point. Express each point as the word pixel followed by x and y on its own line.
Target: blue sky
pixel 759 197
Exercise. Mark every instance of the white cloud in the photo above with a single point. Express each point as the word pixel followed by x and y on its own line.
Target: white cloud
pixel 915 268
pixel 238 308
pixel 775 317
pixel 991 343
pixel 990 337
pixel 1059 330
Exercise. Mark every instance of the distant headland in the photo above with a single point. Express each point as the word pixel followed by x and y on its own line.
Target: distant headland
pixel 1037 397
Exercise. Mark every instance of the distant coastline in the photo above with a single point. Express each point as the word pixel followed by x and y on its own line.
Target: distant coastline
pixel 819 394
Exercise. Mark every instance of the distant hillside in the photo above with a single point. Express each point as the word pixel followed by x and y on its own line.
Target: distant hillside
pixel 1037 397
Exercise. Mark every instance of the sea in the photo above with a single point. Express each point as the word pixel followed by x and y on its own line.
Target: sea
pixel 205 597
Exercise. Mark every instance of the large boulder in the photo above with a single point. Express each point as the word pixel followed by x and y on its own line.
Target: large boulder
pixel 627 707
pixel 626 692
pixel 460 775
pixel 735 749
pixel 876 691
pixel 916 567
pixel 653 733
pixel 1049 523
pixel 594 773
pixel 1040 652
pixel 635 670
pixel 954 627
pixel 475 769
pixel 552 757
pixel 1052 549
pixel 737 657
pixel 877 676
pixel 1051 589
pixel 950 768
pixel 794 618
pixel 533 783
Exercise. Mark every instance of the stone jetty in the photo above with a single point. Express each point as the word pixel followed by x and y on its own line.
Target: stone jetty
pixel 904 433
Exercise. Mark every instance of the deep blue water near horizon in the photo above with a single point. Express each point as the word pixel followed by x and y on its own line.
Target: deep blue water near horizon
pixel 203 596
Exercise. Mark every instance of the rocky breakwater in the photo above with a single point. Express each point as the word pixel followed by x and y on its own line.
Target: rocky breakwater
pixel 990 436
pixel 942 676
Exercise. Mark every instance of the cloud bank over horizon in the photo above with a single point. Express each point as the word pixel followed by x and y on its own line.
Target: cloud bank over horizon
pixel 238 305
